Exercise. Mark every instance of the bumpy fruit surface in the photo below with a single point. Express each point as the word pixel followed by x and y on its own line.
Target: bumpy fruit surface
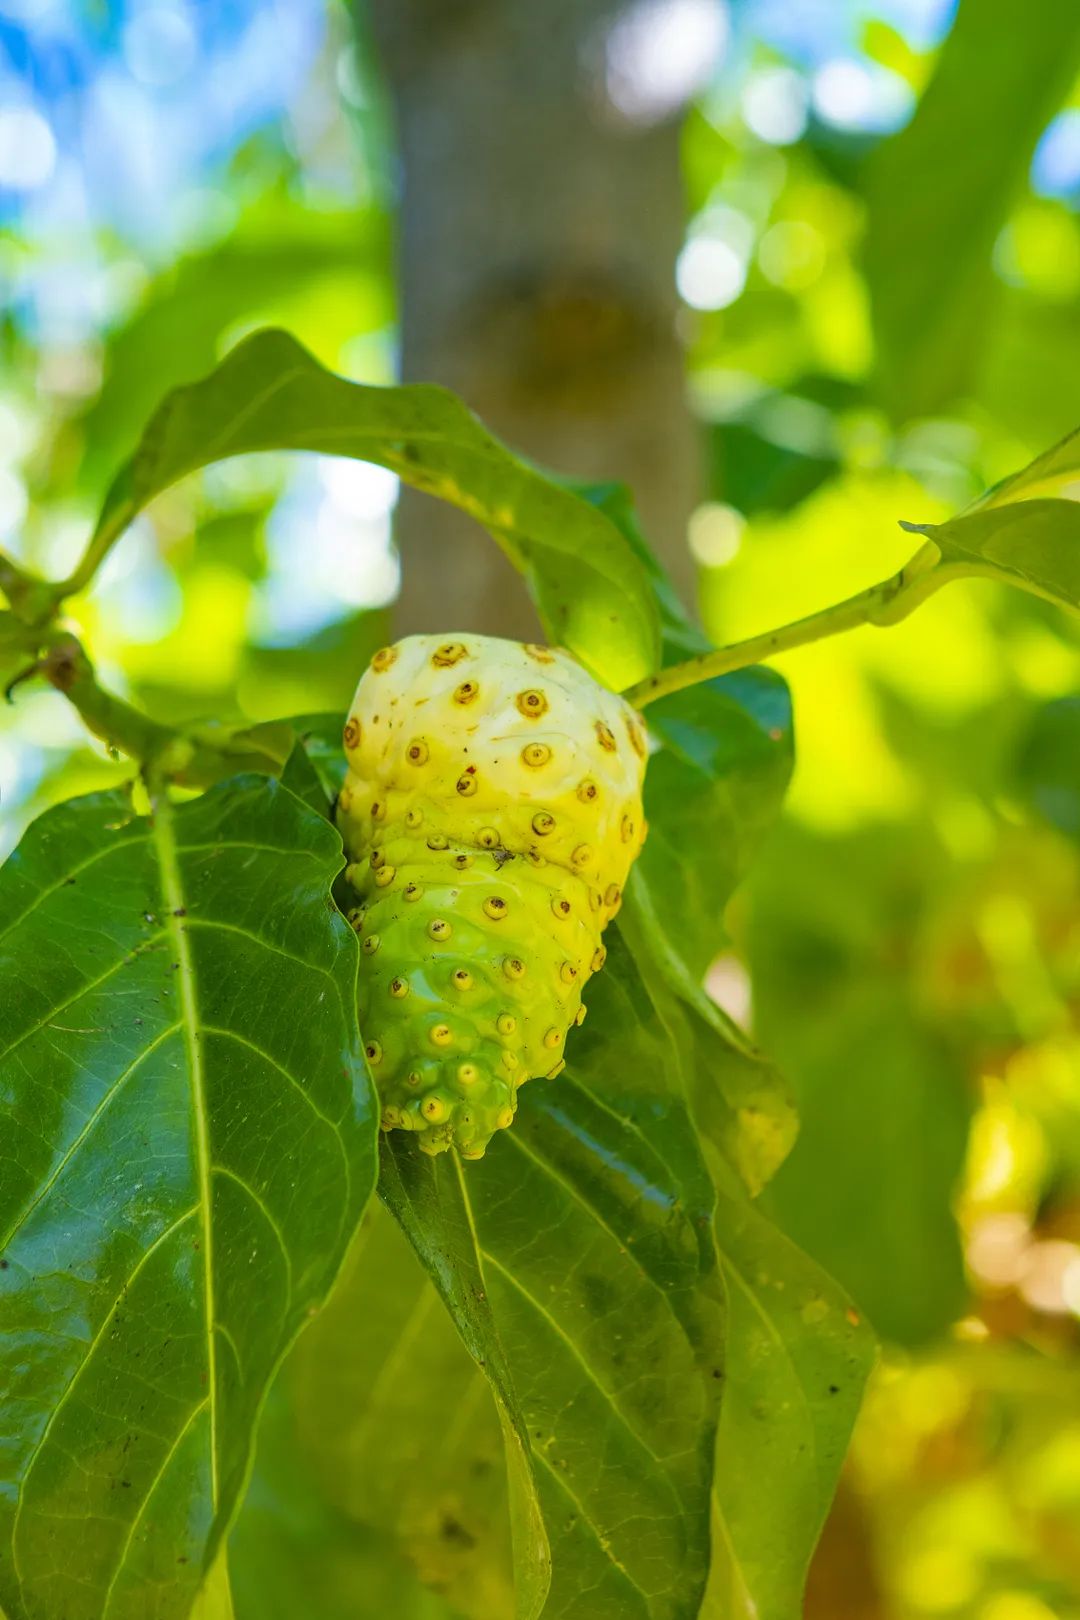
pixel 491 814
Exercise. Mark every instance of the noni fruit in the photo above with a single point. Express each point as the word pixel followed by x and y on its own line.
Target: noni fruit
pixel 491 814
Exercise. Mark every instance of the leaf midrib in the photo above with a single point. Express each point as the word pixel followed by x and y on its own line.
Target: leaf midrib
pixel 172 890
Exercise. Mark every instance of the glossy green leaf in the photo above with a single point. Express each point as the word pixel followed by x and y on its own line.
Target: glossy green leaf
pixel 577 1261
pixel 711 791
pixel 293 1553
pixel 189 1141
pixel 380 1368
pixel 940 191
pixel 797 1354
pixel 798 1358
pixel 270 394
pixel 1056 473
pixel 1032 544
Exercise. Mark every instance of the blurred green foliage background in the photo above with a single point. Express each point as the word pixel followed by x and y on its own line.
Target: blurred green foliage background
pixel 880 291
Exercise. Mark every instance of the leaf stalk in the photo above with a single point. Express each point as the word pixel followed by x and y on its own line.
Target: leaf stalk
pixel 883 604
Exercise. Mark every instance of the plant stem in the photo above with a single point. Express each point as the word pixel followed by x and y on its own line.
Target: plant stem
pixel 32 600
pixel 883 604
pixel 164 752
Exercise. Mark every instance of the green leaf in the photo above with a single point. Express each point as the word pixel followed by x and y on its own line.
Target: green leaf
pixel 1032 544
pixel 741 1104
pixel 940 191
pixel 188 1145
pixel 796 1354
pixel 363 1384
pixel 798 1359
pixel 270 394
pixel 293 1554
pixel 319 736
pixel 711 792
pixel 578 1264
pixel 1056 473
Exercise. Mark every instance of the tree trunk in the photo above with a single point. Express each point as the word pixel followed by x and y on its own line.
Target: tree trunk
pixel 537 243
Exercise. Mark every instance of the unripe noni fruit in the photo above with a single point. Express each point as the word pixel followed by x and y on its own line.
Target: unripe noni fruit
pixel 491 814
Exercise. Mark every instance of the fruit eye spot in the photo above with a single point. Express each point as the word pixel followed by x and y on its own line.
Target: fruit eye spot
pixel 604 737
pixel 596 899
pixel 414 1077
pixel 599 958
pixel 580 1015
pixel 413 891
pixel 462 862
pixel 434 1109
pixel 487 838
pixel 438 928
pixel 506 1023
pixel 541 654
pixel 554 1073
pixel 450 653
pixel 588 791
pixel 568 973
pixel 377 859
pixel 355 917
pixel 352 874
pixel 561 908
pixel 466 785
pixel 543 823
pixel 391 1119
pixel 344 799
pixel 370 945
pixel 385 876
pixel 399 988
pixel 383 659
pixel 582 855
pixel 417 752
pixel 627 829
pixel 437 841
pixel 637 739
pixel 504 1118
pixel 552 1037
pixel 495 906
pixel 510 1060
pixel 441 1034
pixel 534 857
pixel 513 967
pixel 466 692
pixel 351 733
pixel 535 754
pixel 373 1052
pixel 462 979
pixel 612 894
pixel 413 817
pixel 532 704
pixel 468 1073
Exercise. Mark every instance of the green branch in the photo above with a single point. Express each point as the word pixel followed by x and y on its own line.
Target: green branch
pixel 883 604
pixel 194 758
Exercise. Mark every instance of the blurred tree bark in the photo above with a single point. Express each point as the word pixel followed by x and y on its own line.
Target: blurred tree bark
pixel 537 243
